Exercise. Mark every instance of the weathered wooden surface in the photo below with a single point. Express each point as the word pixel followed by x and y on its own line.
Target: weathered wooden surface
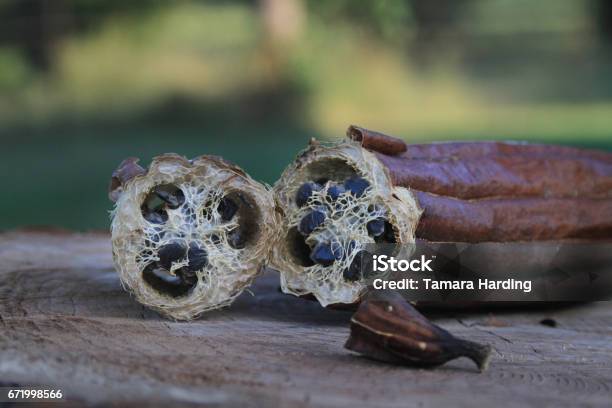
pixel 66 322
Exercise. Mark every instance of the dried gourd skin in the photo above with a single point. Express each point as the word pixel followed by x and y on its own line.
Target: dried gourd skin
pixel 184 254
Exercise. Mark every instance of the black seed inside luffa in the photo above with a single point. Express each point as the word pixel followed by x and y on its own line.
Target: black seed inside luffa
pixel 305 192
pixel 198 258
pixel 166 276
pixel 356 185
pixel 188 276
pixel 227 208
pixel 311 221
pixel 170 253
pixel 178 284
pixel 376 227
pixel 174 198
pixel 325 253
pixel 158 216
pixel 158 275
pixel 236 238
pixel 388 236
pixel 159 200
pixel 335 191
pixel 360 267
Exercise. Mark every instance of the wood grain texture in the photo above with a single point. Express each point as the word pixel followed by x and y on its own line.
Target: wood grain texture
pixel 66 322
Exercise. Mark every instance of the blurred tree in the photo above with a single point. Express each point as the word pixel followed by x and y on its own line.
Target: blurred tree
pixel 426 26
pixel 279 94
pixel 602 11
pixel 36 26
pixel 389 19
pixel 283 20
pixel 436 27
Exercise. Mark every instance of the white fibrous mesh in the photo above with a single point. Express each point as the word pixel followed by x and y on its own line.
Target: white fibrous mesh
pixel 345 222
pixel 204 184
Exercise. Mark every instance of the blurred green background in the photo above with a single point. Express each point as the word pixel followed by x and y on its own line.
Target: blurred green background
pixel 85 83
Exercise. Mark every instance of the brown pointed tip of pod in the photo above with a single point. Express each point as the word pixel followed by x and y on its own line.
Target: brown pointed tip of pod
pixel 376 141
pixel 127 170
pixel 387 328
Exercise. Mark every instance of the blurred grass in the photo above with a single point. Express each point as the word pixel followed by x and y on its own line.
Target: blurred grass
pixel 197 78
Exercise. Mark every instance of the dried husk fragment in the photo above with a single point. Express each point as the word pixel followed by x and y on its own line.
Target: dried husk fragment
pixel 389 329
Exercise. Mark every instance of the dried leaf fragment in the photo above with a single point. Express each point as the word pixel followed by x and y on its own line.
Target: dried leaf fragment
pixel 127 170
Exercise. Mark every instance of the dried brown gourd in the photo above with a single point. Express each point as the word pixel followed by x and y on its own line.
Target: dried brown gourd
pixel 373 188
pixel 188 236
